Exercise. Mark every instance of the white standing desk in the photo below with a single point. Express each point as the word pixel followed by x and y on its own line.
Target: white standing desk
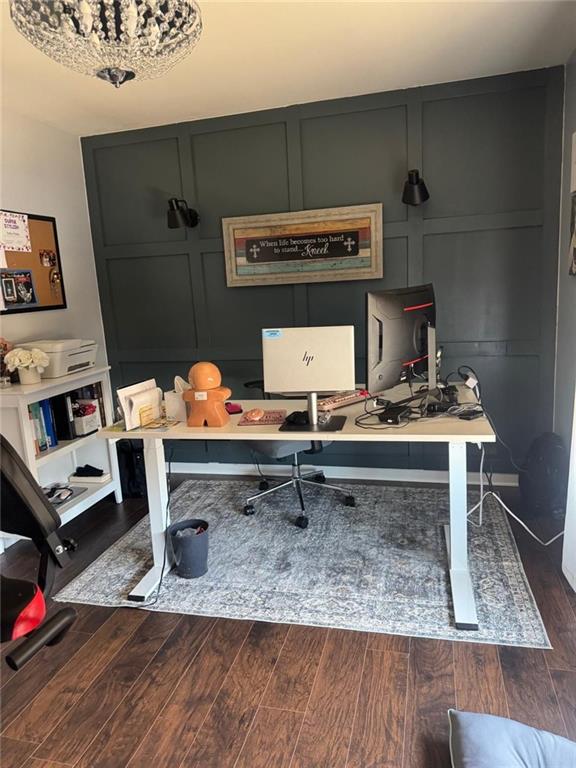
pixel 456 433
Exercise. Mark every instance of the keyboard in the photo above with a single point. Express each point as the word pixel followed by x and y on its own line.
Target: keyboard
pixel 342 399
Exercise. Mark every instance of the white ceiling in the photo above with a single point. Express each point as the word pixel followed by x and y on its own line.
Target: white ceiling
pixel 256 55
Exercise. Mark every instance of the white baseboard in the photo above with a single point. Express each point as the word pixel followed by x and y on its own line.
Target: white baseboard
pixel 340 473
pixel 570 577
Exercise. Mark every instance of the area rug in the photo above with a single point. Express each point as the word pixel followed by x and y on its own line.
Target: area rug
pixel 380 566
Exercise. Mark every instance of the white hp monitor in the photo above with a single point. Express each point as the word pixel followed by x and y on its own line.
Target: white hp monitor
pixel 308 359
pixel 311 360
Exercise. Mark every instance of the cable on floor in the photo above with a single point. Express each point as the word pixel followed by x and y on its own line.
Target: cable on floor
pixel 495 495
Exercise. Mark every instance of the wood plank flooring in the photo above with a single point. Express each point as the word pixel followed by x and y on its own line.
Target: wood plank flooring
pixel 129 688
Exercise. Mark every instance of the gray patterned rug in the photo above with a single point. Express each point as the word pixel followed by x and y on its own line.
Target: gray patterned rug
pixel 379 567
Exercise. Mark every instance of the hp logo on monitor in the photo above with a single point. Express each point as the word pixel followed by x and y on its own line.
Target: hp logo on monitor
pixel 307 358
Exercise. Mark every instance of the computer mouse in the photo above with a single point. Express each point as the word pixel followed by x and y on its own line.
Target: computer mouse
pixel 255 414
pixel 298 417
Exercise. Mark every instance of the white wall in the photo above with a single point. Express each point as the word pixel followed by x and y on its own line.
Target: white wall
pixel 565 387
pixel 566 339
pixel 41 172
pixel 569 548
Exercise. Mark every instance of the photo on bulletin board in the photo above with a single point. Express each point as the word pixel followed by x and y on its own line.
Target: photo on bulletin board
pixel 17 288
pixel 30 269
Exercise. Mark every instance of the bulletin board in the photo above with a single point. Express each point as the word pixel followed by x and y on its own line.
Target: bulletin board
pixel 30 269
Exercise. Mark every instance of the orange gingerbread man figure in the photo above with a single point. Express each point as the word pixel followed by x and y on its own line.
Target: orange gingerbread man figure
pixel 206 397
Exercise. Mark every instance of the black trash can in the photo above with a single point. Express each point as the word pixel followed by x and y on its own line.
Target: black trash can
pixel 189 542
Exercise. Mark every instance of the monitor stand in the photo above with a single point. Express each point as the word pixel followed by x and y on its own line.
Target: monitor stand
pixel 432 362
pixel 432 387
pixel 332 424
pixel 433 366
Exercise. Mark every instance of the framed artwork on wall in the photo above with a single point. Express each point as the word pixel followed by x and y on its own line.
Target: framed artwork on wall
pixel 30 269
pixel 314 246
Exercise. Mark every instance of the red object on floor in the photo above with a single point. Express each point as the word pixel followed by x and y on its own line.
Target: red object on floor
pixel 31 616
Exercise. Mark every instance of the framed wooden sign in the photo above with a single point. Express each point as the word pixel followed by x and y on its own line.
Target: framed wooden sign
pixel 30 270
pixel 304 247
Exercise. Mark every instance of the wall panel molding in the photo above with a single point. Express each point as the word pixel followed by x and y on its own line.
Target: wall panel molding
pixel 489 252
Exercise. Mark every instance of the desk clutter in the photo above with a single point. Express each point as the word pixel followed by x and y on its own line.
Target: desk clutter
pixel 77 413
pixel 141 404
pixel 311 360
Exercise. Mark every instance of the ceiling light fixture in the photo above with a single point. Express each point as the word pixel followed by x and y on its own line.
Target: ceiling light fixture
pixel 115 40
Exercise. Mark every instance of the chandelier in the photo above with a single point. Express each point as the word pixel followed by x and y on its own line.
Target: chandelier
pixel 115 40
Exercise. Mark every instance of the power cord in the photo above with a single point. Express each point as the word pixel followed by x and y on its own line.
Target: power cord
pixel 363 421
pixel 501 441
pixel 480 504
pixel 258 467
pixel 468 374
pixel 492 492
pixel 495 495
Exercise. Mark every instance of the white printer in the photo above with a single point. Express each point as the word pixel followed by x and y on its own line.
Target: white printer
pixel 65 355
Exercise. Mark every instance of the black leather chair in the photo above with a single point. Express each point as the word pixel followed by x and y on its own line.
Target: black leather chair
pixel 25 511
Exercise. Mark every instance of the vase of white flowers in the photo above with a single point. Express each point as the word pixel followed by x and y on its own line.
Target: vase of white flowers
pixel 29 363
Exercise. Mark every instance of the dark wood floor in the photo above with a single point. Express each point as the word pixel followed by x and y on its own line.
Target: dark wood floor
pixel 133 688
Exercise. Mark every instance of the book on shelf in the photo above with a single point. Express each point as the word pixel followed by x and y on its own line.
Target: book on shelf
pixel 53 419
pixel 92 480
pixel 48 421
pixel 32 417
pixel 40 439
pixel 63 417
pixel 42 427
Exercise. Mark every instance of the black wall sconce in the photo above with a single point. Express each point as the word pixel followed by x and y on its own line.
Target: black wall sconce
pixel 415 191
pixel 179 215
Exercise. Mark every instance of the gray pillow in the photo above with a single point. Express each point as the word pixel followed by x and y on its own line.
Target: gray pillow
pixel 486 741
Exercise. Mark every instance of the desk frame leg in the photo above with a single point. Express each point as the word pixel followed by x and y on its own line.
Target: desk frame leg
pixel 115 470
pixel 465 616
pixel 159 517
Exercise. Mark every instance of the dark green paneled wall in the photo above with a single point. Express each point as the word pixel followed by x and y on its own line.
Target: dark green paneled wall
pixel 490 153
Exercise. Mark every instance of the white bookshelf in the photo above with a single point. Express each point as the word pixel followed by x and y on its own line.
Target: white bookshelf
pixel 58 463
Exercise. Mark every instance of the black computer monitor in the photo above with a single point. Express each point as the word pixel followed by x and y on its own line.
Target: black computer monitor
pixel 400 334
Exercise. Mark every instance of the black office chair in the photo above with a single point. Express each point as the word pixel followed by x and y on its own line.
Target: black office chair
pixel 281 449
pixel 25 511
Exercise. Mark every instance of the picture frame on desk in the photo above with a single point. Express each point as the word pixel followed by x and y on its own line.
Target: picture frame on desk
pixel 316 246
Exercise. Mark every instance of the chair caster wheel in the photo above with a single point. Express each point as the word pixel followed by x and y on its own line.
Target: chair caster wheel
pixel 320 478
pixel 350 501
pixel 263 485
pixel 302 521
pixel 249 509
